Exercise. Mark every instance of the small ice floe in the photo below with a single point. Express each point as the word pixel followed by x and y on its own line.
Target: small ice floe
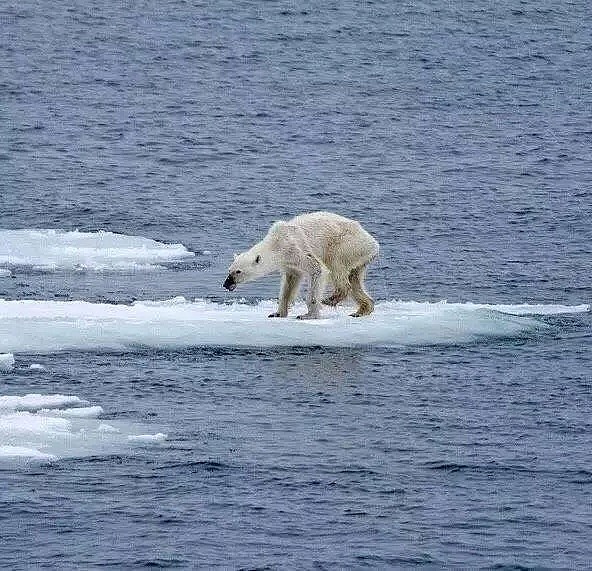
pixel 34 402
pixel 78 412
pixel 24 452
pixel 36 367
pixel 148 438
pixel 6 362
pixel 107 428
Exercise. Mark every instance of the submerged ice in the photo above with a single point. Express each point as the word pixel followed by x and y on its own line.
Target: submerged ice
pixel 45 249
pixel 49 326
pixel 49 427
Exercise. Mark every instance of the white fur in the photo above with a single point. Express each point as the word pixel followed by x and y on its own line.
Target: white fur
pixel 320 245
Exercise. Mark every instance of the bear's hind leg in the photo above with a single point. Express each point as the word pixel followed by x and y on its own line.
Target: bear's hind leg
pixel 365 302
pixel 340 292
pixel 336 297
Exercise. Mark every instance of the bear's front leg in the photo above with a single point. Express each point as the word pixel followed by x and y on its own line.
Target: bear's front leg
pixel 288 291
pixel 278 314
pixel 313 300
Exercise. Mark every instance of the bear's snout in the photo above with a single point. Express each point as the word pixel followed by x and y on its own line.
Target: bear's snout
pixel 229 283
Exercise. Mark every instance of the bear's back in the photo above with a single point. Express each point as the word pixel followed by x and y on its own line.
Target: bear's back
pixel 330 235
pixel 323 219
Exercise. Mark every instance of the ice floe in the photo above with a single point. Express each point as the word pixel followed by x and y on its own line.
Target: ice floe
pixel 50 326
pixel 6 362
pixel 49 250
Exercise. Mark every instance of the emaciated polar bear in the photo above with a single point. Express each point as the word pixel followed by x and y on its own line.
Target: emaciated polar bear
pixel 314 244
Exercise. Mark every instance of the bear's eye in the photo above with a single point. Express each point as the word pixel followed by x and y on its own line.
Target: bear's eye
pixel 257 259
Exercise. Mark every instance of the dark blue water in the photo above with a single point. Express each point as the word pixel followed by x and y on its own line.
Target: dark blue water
pixel 460 136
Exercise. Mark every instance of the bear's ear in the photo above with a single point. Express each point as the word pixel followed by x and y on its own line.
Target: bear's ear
pixel 235 255
pixel 257 259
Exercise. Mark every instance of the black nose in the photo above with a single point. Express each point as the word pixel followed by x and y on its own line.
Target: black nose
pixel 229 283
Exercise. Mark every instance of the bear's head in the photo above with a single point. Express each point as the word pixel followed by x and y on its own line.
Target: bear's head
pixel 248 266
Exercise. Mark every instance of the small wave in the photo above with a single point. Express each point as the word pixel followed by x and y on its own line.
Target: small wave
pixel 59 250
pixel 196 466
pixel 449 466
pixel 50 326
pixel 578 475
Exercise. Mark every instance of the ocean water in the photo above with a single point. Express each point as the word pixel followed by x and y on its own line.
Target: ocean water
pixel 149 418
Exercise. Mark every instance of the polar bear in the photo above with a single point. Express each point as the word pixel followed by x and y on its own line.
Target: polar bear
pixel 319 245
